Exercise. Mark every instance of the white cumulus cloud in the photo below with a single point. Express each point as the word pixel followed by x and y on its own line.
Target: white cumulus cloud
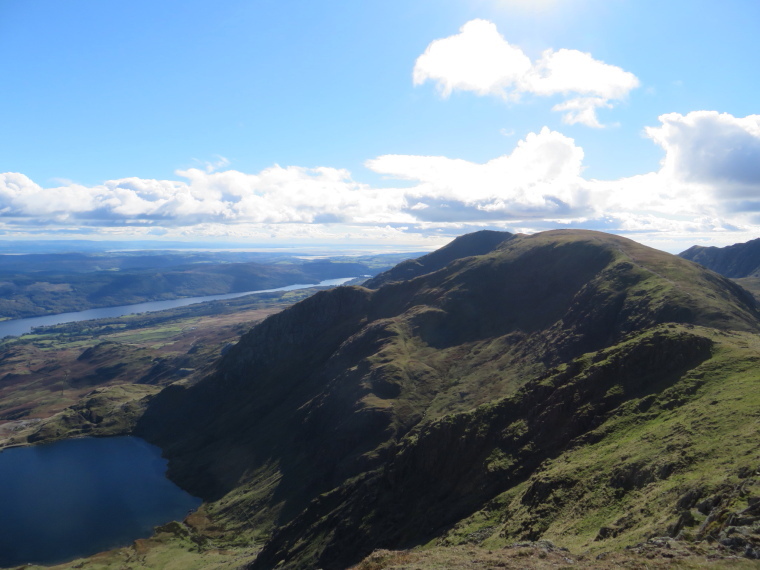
pixel 540 176
pixel 709 180
pixel 712 148
pixel 480 60
pixel 708 183
pixel 274 195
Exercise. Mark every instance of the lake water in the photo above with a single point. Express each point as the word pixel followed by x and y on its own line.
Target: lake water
pixel 17 327
pixel 78 497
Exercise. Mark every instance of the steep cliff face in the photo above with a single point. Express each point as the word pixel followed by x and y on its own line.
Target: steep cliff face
pixel 376 409
pixel 218 428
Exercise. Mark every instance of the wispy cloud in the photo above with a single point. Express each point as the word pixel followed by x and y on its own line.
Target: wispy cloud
pixel 218 163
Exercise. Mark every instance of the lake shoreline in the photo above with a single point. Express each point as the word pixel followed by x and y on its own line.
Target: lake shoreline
pixel 117 490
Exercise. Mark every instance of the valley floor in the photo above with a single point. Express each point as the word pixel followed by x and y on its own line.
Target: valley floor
pixel 122 359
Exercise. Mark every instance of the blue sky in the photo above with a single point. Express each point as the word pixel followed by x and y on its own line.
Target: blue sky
pixel 388 122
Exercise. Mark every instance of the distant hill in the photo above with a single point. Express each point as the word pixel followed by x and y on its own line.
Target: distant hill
pixel 738 260
pixel 477 243
pixel 568 385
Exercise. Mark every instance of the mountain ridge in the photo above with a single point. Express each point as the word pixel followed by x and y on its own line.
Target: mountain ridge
pixel 735 261
pixel 327 395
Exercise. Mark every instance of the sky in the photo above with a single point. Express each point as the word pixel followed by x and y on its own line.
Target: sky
pixel 379 122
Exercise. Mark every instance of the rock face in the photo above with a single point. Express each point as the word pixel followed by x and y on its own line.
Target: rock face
pixel 379 417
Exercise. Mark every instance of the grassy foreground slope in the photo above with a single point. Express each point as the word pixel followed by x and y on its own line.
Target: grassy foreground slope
pixel 569 385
